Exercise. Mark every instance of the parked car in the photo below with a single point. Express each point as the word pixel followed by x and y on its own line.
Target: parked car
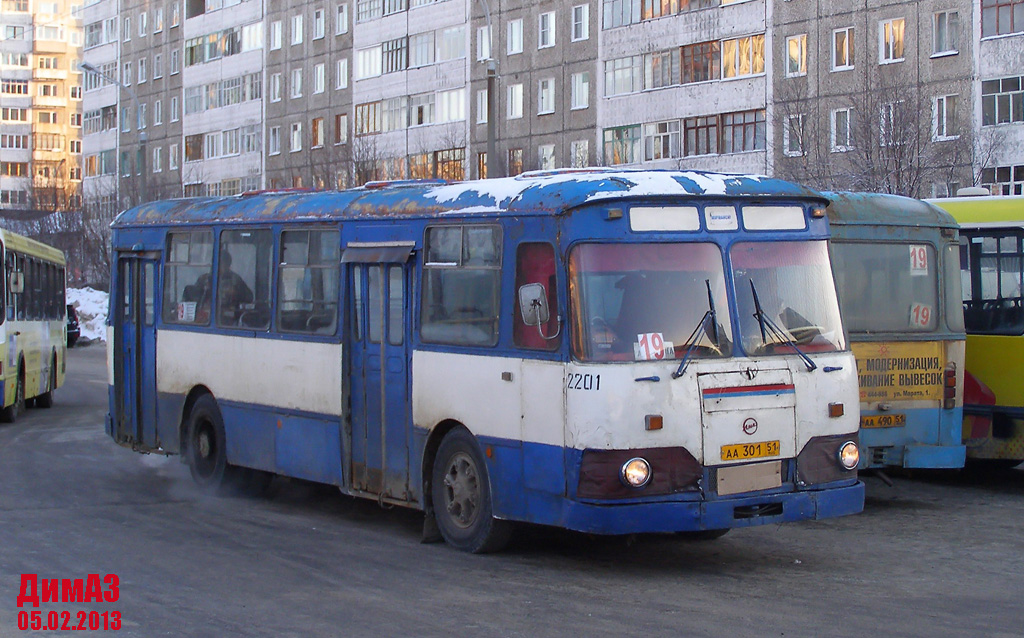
pixel 74 330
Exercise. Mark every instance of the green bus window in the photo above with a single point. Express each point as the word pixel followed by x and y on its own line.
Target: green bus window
pixel 308 281
pixel 535 264
pixel 243 279
pixel 461 285
pixel 188 293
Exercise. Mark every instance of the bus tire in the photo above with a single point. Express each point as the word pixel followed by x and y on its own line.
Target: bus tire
pixel 10 413
pixel 45 400
pixel 461 497
pixel 206 453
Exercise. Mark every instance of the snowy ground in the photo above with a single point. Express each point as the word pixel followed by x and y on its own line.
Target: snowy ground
pixel 92 312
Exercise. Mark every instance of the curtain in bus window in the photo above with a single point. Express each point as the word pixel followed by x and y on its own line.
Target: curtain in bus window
pixel 535 264
pixel 461 285
pixel 188 275
pixel 308 281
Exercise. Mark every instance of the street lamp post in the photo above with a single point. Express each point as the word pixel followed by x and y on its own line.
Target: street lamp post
pixel 90 68
pixel 492 100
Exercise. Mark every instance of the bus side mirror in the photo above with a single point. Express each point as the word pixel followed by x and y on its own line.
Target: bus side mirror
pixel 17 282
pixel 533 303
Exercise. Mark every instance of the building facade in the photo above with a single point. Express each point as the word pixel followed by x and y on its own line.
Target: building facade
pixel 237 95
pixel 40 106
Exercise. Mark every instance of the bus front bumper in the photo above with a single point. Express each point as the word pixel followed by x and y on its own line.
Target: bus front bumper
pixel 723 513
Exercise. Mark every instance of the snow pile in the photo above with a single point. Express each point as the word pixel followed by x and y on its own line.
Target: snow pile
pixel 92 311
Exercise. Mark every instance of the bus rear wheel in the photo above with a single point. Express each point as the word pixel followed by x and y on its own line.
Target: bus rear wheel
pixel 45 400
pixel 461 497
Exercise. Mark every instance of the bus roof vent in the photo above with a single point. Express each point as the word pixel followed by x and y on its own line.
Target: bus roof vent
pixel 973 191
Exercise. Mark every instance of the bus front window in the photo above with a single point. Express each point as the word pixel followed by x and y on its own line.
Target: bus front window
pixel 796 292
pixel 636 302
pixel 887 287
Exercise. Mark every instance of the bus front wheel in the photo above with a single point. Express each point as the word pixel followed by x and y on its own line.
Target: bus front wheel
pixel 206 454
pixel 10 413
pixel 461 496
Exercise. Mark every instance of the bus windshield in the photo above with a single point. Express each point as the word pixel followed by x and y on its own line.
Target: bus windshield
pixel 638 302
pixel 887 287
pixel 796 291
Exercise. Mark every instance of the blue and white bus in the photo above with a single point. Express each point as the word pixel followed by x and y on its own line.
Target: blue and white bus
pixel 613 352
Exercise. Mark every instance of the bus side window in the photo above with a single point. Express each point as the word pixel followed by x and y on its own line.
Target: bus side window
pixel 243 279
pixel 307 289
pixel 461 285
pixel 535 264
pixel 187 278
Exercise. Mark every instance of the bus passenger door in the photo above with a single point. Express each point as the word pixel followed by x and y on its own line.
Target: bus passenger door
pixel 379 316
pixel 135 353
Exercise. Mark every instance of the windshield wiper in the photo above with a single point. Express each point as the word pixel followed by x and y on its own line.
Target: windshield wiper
pixel 768 326
pixel 691 341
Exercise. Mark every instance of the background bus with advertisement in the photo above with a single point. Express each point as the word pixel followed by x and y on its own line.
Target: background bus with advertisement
pixel 897 270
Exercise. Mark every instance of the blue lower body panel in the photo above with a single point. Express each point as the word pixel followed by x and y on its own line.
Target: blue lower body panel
pixel 935 456
pixel 636 518
pixel 931 438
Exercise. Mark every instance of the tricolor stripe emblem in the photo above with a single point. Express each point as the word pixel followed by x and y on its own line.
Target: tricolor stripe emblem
pixel 771 389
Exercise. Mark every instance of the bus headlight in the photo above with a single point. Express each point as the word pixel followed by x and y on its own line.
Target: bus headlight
pixel 636 472
pixel 849 455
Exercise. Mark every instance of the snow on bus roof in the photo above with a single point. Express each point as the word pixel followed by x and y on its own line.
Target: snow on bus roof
pixel 538 191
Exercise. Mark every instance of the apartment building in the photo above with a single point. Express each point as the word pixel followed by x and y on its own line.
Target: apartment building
pixel 40 106
pixel 237 95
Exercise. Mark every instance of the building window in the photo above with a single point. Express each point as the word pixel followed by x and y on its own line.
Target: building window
pixel 341 74
pixel 515 101
pixel 175 62
pixel 395 54
pixel 842 140
pixel 793 136
pixel 369 9
pixel 618 13
pixel 515 37
pixel 158 159
pixel 1002 101
pixel 546 96
pixel 944 117
pixel 368 62
pixel 622 145
pixel 842 49
pixel 546 157
pixel 296 84
pixel 451 105
pixel 421 109
pixel 394 114
pixel 174 109
pixel 126 74
pixel 999 17
pixel 515 161
pixel 319 78
pixel 661 140
pixel 452 45
pixel 743 56
pixel 143 24
pixel 796 55
pixel 700 135
pixel 481 106
pixel 483 44
pixel 701 62
pixel 580 90
pixel 421 49
pixel 274 141
pixel 142 70
pixel 890 41
pixel 318 132
pixel 341 128
pixel 158 112
pixel 297 29
pixel 1004 180
pixel 275 35
pixel 580 22
pixel 296 137
pixel 623 75
pixel 946 29
pixel 172 157
pixel 341 19
pixel 318 24
pixel 661 69
pixel 275 87
pixel 368 118
pixel 743 131
pixel 579 154
pixel 546 30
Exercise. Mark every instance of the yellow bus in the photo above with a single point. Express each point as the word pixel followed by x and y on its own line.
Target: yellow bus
pixel 33 324
pixel 992 268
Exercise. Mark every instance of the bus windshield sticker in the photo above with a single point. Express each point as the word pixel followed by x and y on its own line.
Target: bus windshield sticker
pixel 918 260
pixel 651 346
pixel 920 315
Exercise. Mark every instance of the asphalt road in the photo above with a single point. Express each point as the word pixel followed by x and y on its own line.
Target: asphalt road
pixel 936 555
